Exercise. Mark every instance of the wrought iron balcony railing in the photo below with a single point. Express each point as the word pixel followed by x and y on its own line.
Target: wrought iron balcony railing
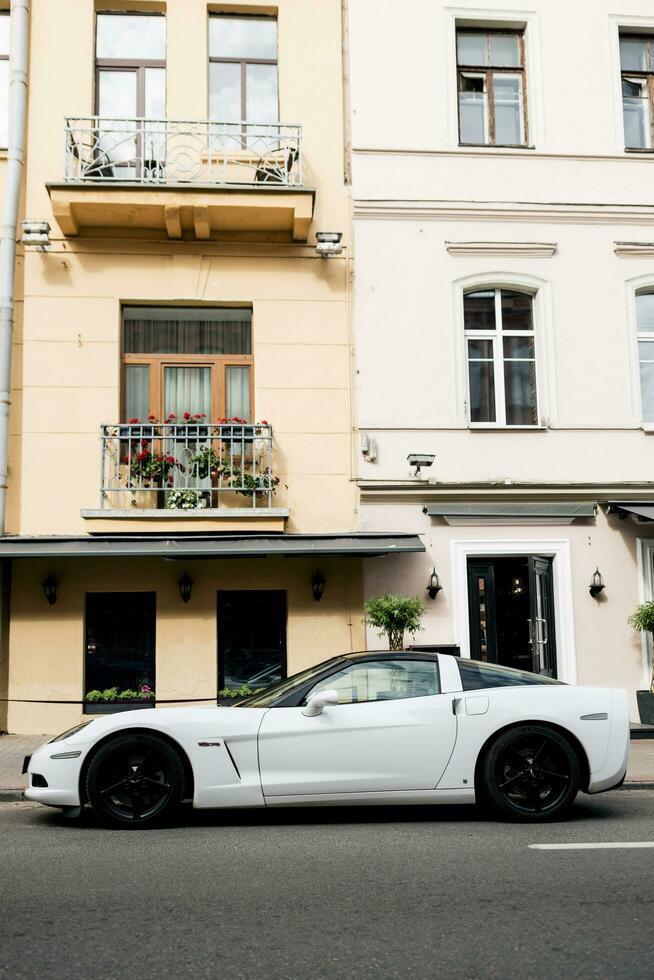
pixel 167 151
pixel 160 466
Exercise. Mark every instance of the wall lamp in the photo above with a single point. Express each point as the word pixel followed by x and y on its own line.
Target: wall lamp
pixel 433 585
pixel 419 460
pixel 328 244
pixel 50 589
pixel 318 586
pixel 36 233
pixel 596 584
pixel 185 584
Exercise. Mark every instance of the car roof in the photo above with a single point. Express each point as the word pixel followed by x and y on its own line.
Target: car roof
pixel 388 655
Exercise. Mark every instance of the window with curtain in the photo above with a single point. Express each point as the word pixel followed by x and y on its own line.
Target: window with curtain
pixel 243 69
pixel 500 347
pixel 130 57
pixel 645 328
pixel 637 72
pixel 187 359
pixel 4 78
pixel 491 85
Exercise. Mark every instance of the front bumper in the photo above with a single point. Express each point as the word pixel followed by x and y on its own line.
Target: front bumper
pixel 62 775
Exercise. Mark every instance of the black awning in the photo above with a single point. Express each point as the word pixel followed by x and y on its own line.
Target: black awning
pixel 210 546
pixel 508 512
pixel 642 511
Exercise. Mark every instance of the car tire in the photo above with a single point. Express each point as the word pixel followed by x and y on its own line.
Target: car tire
pixel 529 773
pixel 135 780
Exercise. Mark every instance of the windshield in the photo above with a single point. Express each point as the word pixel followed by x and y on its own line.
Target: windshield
pixel 272 693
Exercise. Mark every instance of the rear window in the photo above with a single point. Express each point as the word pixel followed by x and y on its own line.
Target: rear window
pixel 476 675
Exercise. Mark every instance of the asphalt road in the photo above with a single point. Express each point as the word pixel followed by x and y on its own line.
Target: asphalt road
pixel 360 892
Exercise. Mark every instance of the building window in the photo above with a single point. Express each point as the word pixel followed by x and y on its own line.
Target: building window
pixel 186 359
pixel 645 328
pixel 4 78
pixel 251 638
pixel 637 68
pixel 491 85
pixel 499 335
pixel 120 643
pixel 243 69
pixel 130 60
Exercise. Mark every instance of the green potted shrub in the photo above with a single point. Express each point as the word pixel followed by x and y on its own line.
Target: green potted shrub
pixel 116 699
pixel 643 621
pixel 395 615
pixel 232 695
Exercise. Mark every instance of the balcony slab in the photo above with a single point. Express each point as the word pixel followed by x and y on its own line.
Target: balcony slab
pixel 231 519
pixel 180 211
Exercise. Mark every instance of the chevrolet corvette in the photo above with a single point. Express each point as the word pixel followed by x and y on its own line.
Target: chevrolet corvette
pixel 361 728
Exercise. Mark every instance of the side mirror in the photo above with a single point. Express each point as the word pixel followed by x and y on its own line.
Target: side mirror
pixel 320 700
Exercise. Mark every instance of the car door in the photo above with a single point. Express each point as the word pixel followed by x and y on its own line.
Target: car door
pixel 392 730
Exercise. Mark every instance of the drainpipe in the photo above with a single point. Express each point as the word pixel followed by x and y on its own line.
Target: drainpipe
pixel 20 10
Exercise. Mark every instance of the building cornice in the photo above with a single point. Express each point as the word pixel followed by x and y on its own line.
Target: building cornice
pixel 590 213
pixel 423 492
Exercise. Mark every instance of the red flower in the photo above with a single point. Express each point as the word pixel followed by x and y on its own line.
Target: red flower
pixel 265 422
pixel 126 459
pixel 172 416
pixel 134 421
pixel 152 418
pixel 142 456
pixel 171 460
pixel 187 415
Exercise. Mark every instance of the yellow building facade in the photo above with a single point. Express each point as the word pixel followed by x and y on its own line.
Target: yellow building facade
pixel 189 158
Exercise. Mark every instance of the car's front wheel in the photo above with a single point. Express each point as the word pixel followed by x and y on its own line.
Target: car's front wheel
pixel 135 780
pixel 529 773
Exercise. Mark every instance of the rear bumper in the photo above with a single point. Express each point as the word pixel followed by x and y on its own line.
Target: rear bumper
pixel 612 773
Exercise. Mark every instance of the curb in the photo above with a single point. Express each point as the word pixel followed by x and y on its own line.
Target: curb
pixel 638 784
pixel 11 795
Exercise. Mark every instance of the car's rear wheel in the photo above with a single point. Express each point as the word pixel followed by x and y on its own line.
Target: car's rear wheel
pixel 135 780
pixel 530 773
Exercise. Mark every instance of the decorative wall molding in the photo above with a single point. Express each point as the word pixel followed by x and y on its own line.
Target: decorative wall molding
pixel 594 214
pixel 634 249
pixel 537 250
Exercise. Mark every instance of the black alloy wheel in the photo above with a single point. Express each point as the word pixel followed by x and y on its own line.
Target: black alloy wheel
pixel 135 780
pixel 530 773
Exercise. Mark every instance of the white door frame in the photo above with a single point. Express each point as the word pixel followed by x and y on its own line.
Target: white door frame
pixel 645 556
pixel 559 552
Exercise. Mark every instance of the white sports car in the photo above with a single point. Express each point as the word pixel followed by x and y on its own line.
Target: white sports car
pixel 374 727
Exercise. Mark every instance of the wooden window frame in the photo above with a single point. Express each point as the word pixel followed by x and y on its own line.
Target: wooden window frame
pixel 244 62
pixel 137 65
pixel 648 78
pixel 497 336
pixel 488 71
pixel 218 364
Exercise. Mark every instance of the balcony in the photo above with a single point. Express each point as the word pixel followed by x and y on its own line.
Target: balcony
pixel 219 474
pixel 182 179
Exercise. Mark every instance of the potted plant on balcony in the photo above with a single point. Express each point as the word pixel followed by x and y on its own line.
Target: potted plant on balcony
pixel 643 621
pixel 148 472
pixel 181 499
pixel 395 615
pixel 112 699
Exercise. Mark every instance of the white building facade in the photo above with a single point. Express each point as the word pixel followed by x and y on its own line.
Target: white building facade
pixel 502 172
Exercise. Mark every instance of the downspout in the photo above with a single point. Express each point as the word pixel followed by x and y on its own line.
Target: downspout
pixel 19 20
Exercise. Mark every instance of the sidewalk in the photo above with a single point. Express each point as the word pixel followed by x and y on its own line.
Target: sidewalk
pixel 13 748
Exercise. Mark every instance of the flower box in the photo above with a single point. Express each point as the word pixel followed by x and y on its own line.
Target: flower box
pixel 110 707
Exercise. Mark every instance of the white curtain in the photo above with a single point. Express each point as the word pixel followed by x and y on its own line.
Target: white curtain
pixel 187 389
pixel 238 391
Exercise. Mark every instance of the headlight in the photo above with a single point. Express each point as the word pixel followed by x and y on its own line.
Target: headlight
pixel 71 731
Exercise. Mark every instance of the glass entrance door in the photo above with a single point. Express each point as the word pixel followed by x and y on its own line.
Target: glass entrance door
pixel 120 641
pixel 541 620
pixel 511 612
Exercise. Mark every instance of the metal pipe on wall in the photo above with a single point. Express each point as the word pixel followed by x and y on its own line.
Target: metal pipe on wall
pixel 19 14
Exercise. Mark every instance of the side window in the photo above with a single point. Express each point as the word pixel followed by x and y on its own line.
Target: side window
pixel 645 328
pixel 382 680
pixel 501 355
pixel 476 676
